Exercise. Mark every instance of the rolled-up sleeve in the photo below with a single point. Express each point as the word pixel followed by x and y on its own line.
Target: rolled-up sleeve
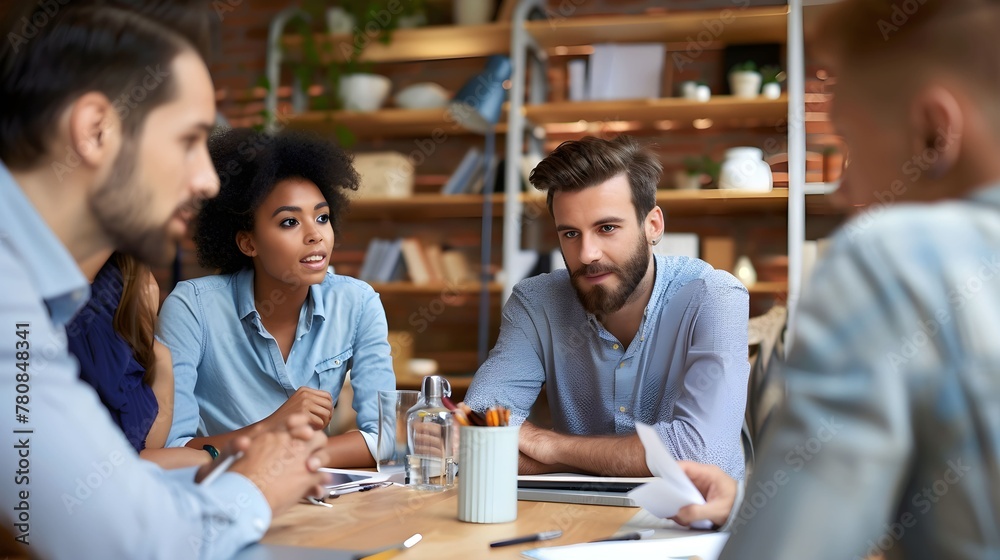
pixel 371 369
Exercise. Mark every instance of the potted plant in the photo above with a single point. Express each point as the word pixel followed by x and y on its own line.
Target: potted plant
pixel 745 80
pixel 770 75
pixel 697 172
pixel 349 83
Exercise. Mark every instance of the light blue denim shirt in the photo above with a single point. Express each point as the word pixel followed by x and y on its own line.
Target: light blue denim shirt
pixel 83 491
pixel 229 372
pixel 685 372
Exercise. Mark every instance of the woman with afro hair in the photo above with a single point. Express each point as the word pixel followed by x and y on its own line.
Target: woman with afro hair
pixel 275 332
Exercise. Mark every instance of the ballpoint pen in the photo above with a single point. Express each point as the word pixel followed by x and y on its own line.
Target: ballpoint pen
pixel 220 468
pixel 633 536
pixel 543 536
pixel 360 488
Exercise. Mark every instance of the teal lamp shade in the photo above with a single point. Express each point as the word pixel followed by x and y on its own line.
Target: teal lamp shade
pixel 477 106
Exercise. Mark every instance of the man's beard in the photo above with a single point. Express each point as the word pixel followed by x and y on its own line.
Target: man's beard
pixel 123 211
pixel 600 300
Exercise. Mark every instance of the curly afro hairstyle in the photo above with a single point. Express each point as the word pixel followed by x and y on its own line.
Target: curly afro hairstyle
pixel 250 164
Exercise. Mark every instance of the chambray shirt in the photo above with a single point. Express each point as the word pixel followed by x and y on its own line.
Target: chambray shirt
pixel 88 493
pixel 229 372
pixel 685 372
pixel 890 437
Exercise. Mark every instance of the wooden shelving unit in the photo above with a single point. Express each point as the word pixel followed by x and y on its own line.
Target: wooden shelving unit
pixel 750 25
pixel 422 207
pixel 768 289
pixel 649 112
pixel 384 123
pixel 413 45
pixel 409 288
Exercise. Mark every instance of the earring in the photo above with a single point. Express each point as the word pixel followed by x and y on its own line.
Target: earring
pixel 655 241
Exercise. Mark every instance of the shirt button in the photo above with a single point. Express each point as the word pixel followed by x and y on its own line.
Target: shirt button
pixel 621 409
pixel 336 362
pixel 259 524
pixel 615 346
pixel 621 365
pixel 642 339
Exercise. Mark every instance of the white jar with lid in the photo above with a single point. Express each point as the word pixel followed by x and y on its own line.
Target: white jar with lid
pixel 745 169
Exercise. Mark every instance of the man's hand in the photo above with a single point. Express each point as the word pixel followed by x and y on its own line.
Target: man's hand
pixel 316 405
pixel 428 439
pixel 718 489
pixel 537 444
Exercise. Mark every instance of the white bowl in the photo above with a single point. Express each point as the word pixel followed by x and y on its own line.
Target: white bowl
pixel 425 95
pixel 364 92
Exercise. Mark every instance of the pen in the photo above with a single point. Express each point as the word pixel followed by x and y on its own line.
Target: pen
pixel 360 488
pixel 633 536
pixel 543 536
pixel 222 467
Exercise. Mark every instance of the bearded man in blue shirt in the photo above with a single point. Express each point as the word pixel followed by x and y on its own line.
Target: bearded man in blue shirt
pixel 622 335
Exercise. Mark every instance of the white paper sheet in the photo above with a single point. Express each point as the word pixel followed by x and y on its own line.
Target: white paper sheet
pixel 707 547
pixel 672 489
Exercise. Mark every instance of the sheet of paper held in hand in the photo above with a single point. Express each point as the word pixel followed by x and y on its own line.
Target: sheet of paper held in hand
pixel 672 489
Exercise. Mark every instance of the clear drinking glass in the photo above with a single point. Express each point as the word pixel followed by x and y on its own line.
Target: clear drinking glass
pixel 393 407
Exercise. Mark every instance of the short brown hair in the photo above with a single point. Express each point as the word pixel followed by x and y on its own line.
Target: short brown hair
pixel 579 164
pixel 934 36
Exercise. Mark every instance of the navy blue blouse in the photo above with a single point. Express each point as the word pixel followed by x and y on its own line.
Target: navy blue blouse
pixel 107 362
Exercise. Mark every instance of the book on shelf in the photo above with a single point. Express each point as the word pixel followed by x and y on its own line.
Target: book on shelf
pixel 416 262
pixel 631 71
pixel 464 174
pixel 456 267
pixel 435 262
pixel 370 263
pixel 390 262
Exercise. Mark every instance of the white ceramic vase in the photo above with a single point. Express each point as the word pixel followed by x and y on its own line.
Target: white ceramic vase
pixel 745 272
pixel 771 90
pixel 703 93
pixel 364 92
pixel 745 169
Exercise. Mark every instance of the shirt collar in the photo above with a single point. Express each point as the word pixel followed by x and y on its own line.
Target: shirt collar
pixel 244 293
pixel 52 269
pixel 245 305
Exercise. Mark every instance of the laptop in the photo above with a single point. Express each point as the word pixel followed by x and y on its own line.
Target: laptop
pixel 571 488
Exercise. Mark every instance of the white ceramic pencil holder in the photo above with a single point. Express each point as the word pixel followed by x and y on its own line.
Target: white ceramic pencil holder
pixel 487 479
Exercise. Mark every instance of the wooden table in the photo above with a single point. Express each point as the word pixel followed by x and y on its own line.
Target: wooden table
pixel 386 516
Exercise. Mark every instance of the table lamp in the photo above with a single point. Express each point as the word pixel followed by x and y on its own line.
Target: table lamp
pixel 477 107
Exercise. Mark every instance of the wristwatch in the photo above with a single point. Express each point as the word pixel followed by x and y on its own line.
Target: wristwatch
pixel 211 451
